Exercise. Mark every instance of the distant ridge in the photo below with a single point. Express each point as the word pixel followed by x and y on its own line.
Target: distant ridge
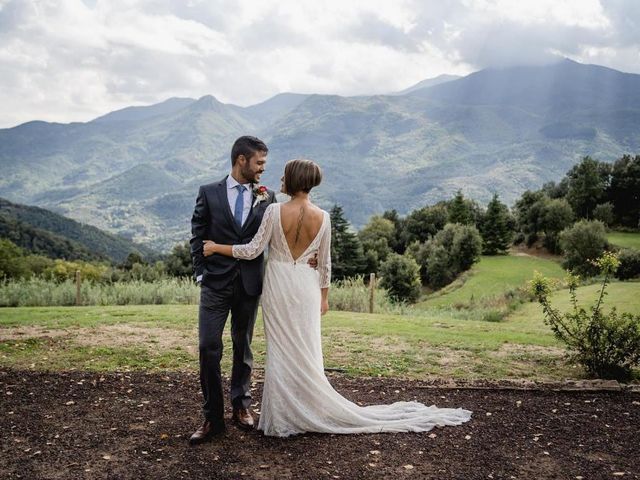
pixel 136 114
pixel 43 232
pixel 429 82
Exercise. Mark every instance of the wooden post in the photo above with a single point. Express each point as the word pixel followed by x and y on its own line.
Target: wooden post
pixel 372 290
pixel 78 284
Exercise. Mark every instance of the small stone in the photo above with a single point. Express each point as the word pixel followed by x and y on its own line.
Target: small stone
pixel 263 466
pixel 467 437
pixel 546 453
pixel 408 467
pixel 488 414
pixel 432 435
pixel 106 457
pixel 70 402
pixel 374 452
pixel 372 464
pixel 618 474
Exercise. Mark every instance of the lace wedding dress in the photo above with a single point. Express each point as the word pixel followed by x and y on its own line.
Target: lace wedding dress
pixel 297 396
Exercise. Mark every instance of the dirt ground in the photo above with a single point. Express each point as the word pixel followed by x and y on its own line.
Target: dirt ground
pixel 135 426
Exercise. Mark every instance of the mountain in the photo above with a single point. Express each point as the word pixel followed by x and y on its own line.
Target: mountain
pixel 137 114
pixel 275 108
pixel 46 233
pixel 136 172
pixel 429 82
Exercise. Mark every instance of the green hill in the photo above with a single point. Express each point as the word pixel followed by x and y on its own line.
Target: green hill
pixel 46 233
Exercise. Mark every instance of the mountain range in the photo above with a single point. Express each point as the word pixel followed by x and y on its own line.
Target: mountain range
pixel 136 171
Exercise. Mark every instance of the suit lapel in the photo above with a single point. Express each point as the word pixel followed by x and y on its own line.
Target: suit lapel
pixel 224 201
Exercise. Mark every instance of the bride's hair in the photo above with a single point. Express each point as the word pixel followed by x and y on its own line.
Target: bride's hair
pixel 301 175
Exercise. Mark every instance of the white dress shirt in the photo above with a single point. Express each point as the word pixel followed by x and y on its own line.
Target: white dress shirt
pixel 232 196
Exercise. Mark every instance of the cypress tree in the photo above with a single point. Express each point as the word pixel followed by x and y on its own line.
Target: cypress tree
pixel 347 256
pixel 496 233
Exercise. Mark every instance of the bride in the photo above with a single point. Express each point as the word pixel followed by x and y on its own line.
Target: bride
pixel 297 396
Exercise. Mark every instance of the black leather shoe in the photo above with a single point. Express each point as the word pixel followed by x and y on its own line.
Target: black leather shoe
pixel 205 433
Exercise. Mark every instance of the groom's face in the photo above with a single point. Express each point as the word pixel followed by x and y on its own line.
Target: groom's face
pixel 253 168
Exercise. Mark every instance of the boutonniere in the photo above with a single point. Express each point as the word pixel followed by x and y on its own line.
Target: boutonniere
pixel 260 193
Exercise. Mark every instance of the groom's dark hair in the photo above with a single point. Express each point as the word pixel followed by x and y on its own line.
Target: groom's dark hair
pixel 247 146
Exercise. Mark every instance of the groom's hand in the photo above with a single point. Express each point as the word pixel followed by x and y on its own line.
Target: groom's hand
pixel 208 247
pixel 324 306
pixel 313 261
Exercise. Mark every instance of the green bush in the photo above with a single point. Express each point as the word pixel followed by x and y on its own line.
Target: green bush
pixel 582 243
pixel 607 345
pixel 401 278
pixel 629 264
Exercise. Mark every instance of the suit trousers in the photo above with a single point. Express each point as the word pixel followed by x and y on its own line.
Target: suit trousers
pixel 215 305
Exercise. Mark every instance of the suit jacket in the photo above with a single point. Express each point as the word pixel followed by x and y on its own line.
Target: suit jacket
pixel 212 220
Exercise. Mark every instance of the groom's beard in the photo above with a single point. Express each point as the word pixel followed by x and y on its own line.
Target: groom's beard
pixel 251 176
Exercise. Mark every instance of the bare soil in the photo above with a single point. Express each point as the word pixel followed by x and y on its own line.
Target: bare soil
pixel 75 425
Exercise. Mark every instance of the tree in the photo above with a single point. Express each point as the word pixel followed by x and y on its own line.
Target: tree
pixel 588 184
pixel 347 257
pixel 530 210
pixel 376 236
pixel 604 213
pixel 557 216
pixel 461 210
pixel 582 244
pixel 12 263
pixel 397 243
pixel 496 230
pixel 423 223
pixel 624 190
pixel 401 278
pixel 178 262
pixel 452 250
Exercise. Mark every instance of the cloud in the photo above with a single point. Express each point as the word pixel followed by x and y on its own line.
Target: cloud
pixel 69 60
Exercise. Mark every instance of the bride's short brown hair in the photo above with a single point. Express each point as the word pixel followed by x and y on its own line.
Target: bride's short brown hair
pixel 301 175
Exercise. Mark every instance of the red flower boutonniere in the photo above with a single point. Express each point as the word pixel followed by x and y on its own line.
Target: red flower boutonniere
pixel 260 193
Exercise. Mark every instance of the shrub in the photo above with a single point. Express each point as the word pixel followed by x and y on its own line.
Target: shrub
pixel 604 213
pixel 607 345
pixel 401 278
pixel 352 295
pixel 582 243
pixel 629 264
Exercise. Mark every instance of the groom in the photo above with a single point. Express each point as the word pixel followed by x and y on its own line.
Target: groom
pixel 229 212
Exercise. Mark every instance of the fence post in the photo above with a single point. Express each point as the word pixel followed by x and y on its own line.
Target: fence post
pixel 372 290
pixel 78 284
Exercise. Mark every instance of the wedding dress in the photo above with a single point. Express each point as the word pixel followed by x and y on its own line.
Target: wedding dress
pixel 297 396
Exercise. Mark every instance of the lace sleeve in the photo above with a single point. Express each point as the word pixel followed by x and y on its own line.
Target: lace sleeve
pixel 324 256
pixel 256 246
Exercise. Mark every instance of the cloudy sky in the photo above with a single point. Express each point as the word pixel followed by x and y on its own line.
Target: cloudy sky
pixel 73 60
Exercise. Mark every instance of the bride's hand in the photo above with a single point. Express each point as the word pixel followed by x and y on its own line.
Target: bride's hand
pixel 208 247
pixel 324 307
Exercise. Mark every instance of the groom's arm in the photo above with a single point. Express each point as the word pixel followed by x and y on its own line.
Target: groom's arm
pixel 199 224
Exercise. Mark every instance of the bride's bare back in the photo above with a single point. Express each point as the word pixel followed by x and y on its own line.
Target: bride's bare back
pixel 301 223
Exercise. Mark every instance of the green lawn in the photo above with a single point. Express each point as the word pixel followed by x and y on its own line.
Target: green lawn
pixel 432 343
pixel 492 276
pixel 624 239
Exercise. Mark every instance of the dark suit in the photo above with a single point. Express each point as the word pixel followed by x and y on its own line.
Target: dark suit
pixel 228 285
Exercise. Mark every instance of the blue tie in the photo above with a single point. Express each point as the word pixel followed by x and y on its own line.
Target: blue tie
pixel 237 213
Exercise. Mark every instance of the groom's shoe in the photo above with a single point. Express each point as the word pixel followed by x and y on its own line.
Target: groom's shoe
pixel 243 418
pixel 205 433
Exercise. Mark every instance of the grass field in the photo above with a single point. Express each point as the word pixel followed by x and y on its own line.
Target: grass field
pixel 624 239
pixel 492 276
pixel 432 343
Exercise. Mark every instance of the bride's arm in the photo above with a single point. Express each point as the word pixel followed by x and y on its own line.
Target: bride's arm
pixel 250 250
pixel 324 266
